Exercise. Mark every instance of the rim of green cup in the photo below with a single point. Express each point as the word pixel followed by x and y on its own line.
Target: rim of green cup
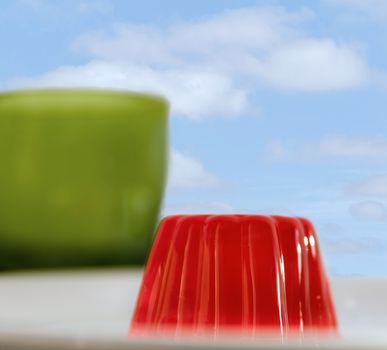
pixel 139 97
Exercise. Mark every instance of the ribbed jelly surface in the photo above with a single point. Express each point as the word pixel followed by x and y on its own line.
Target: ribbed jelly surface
pixel 247 273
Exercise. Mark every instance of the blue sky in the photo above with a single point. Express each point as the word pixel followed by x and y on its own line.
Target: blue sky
pixel 277 106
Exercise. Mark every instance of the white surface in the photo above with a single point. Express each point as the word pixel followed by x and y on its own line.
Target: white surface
pixel 92 309
pixel 70 303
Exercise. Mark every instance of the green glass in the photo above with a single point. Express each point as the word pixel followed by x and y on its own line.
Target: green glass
pixel 82 175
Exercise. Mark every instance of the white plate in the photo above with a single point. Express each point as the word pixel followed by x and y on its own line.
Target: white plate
pixel 91 310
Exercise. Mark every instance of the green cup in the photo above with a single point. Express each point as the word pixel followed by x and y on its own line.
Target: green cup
pixel 82 176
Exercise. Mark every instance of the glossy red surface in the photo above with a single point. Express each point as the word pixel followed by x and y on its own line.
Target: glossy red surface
pixel 245 273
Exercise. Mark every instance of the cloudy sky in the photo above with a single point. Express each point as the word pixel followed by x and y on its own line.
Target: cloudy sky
pixel 276 106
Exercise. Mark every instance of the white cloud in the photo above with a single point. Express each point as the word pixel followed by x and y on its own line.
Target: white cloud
pixel 210 66
pixel 194 93
pixel 369 210
pixel 264 43
pixel 314 65
pixel 239 32
pixel 330 147
pixel 141 44
pixel 375 186
pixel 187 172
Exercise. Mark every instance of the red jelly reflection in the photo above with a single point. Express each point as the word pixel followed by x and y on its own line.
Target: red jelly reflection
pixel 246 273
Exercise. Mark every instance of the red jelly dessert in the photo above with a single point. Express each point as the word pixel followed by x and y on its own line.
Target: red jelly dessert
pixel 245 273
